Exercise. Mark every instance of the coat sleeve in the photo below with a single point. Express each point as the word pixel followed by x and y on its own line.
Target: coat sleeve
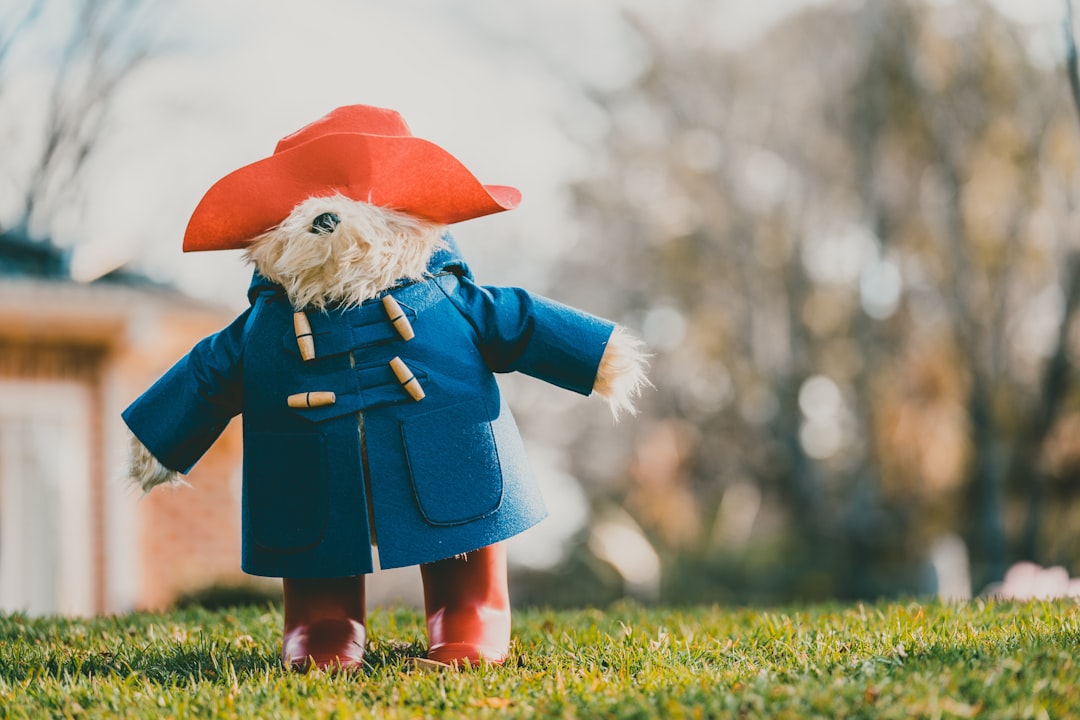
pixel 185 411
pixel 522 332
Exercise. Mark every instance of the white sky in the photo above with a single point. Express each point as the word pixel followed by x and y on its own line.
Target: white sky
pixel 466 75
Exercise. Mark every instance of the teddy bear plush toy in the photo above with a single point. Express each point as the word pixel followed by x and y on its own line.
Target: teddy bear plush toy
pixel 363 370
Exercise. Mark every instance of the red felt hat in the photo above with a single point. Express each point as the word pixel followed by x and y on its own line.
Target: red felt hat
pixel 362 152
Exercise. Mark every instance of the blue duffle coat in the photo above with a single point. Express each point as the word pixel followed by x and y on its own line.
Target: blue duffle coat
pixel 431 478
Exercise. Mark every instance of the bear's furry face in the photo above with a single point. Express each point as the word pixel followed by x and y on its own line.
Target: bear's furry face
pixel 364 250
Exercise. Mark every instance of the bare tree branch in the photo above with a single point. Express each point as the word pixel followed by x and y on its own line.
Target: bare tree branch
pixel 7 40
pixel 1070 55
pixel 109 39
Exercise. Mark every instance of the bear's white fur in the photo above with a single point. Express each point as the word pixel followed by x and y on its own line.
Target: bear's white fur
pixel 369 250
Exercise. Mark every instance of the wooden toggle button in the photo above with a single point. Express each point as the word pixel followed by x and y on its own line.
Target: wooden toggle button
pixel 304 339
pixel 318 398
pixel 407 379
pixel 397 318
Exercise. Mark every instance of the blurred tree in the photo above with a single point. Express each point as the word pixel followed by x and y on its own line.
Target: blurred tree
pixel 970 121
pixel 72 56
pixel 850 246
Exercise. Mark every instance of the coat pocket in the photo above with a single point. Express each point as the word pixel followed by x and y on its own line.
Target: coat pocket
pixel 285 490
pixel 453 463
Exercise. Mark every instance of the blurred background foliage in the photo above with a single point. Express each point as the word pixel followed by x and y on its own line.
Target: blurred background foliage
pixel 853 249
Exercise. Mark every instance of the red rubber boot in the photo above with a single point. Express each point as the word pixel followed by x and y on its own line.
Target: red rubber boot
pixel 468 607
pixel 324 623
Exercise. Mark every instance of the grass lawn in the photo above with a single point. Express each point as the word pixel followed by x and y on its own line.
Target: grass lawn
pixel 901 660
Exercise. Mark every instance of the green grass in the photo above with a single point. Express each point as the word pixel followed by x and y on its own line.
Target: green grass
pixel 902 660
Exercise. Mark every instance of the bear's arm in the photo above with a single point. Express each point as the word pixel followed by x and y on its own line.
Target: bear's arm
pixel 181 415
pixel 519 331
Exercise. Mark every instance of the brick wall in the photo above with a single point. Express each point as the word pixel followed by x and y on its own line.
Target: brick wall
pixel 188 537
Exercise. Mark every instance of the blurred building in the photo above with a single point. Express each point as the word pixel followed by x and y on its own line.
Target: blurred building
pixel 74 537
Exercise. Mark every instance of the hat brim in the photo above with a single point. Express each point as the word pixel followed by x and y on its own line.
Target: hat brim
pixel 407 174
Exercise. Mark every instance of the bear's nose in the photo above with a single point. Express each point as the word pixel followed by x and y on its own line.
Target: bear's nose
pixel 324 224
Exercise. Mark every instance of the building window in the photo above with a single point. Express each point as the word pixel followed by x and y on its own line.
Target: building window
pixel 46 557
